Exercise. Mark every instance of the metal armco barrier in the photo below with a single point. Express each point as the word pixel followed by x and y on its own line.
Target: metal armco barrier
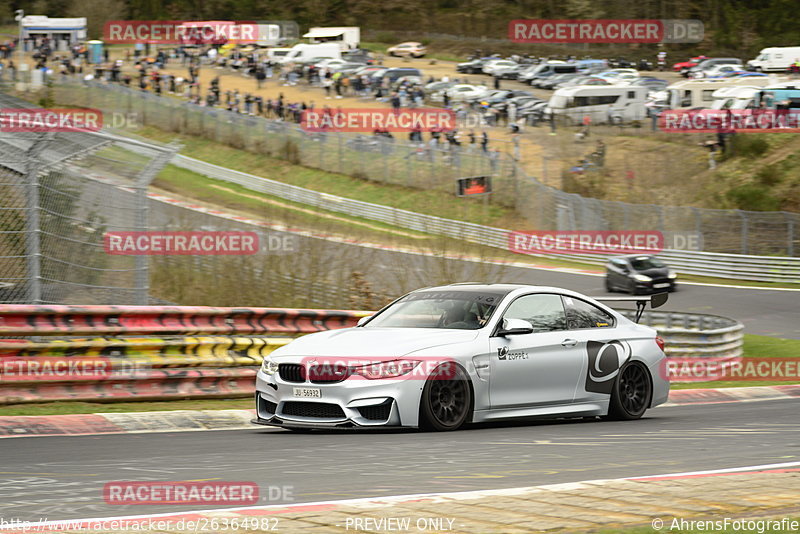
pixel 180 365
pixel 32 320
pixel 696 335
pixel 186 351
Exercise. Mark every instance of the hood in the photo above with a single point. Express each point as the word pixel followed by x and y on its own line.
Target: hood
pixel 379 342
pixel 654 272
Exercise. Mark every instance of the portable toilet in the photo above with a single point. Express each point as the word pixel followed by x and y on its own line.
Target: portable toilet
pixel 95 51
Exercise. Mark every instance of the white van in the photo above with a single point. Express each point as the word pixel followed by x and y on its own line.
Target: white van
pixel 700 93
pixel 602 103
pixel 775 59
pixel 302 51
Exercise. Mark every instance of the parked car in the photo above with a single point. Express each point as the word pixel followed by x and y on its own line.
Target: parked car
pixel 359 55
pixel 717 71
pixel 395 73
pixel 639 273
pixel 653 84
pixel 497 64
pixel 464 92
pixel 410 49
pixel 553 81
pixel 707 63
pixel 472 67
pixel 686 65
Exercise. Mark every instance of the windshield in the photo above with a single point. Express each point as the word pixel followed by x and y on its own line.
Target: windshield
pixel 644 263
pixel 463 310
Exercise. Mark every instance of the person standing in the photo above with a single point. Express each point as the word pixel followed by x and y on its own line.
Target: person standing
pixel 484 142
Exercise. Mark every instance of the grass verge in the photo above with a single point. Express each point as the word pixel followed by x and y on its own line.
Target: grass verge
pixel 64 408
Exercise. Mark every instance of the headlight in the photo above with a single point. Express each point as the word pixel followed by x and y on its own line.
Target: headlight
pixel 269 366
pixel 672 274
pixel 392 369
pixel 642 278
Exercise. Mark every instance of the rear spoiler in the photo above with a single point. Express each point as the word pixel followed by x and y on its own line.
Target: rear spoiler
pixel 656 301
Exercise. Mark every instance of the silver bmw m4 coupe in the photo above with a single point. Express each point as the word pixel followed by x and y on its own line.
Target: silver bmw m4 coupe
pixel 440 357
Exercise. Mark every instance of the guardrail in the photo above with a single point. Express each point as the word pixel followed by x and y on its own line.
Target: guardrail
pixel 730 266
pixel 179 366
pixel 221 366
pixel 696 335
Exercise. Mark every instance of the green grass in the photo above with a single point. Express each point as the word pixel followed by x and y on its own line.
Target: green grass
pixel 439 203
pixel 754 347
pixel 63 408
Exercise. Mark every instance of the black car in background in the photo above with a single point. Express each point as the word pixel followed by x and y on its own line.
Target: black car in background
pixel 472 67
pixel 640 273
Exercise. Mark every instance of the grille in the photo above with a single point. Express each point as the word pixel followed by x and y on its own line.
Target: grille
pixel 268 406
pixel 320 410
pixel 327 374
pixel 379 412
pixel 292 372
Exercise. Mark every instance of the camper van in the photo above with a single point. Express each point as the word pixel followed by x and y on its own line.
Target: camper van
pixel 347 37
pixel 734 97
pixel 775 59
pixel 700 93
pixel 302 51
pixel 602 103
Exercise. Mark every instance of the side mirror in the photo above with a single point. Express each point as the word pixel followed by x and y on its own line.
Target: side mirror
pixel 515 327
pixel 363 320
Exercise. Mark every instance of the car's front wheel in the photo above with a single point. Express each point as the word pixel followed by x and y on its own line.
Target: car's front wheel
pixel 446 399
pixel 631 394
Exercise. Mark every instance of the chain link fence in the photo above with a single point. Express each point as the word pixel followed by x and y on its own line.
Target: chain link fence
pixel 53 216
pixel 414 165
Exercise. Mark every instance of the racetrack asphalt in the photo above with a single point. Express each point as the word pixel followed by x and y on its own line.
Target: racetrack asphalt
pixel 62 477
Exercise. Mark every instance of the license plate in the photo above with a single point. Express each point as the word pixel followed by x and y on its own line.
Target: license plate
pixel 307 393
pixel 660 285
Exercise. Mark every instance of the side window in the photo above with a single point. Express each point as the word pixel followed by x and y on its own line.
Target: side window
pixel 581 314
pixel 544 311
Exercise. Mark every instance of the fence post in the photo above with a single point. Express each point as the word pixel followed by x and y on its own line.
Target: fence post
pixel 790 233
pixel 33 250
pixel 745 231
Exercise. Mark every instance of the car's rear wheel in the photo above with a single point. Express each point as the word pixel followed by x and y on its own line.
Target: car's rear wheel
pixel 446 399
pixel 631 394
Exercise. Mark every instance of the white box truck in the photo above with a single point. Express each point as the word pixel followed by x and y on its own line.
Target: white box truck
pixel 775 59
pixel 347 37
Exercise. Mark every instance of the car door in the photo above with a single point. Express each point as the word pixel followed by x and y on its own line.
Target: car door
pixel 541 368
pixel 602 346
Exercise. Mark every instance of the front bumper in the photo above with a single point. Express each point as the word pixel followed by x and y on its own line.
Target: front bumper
pixel 347 404
pixel 656 286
